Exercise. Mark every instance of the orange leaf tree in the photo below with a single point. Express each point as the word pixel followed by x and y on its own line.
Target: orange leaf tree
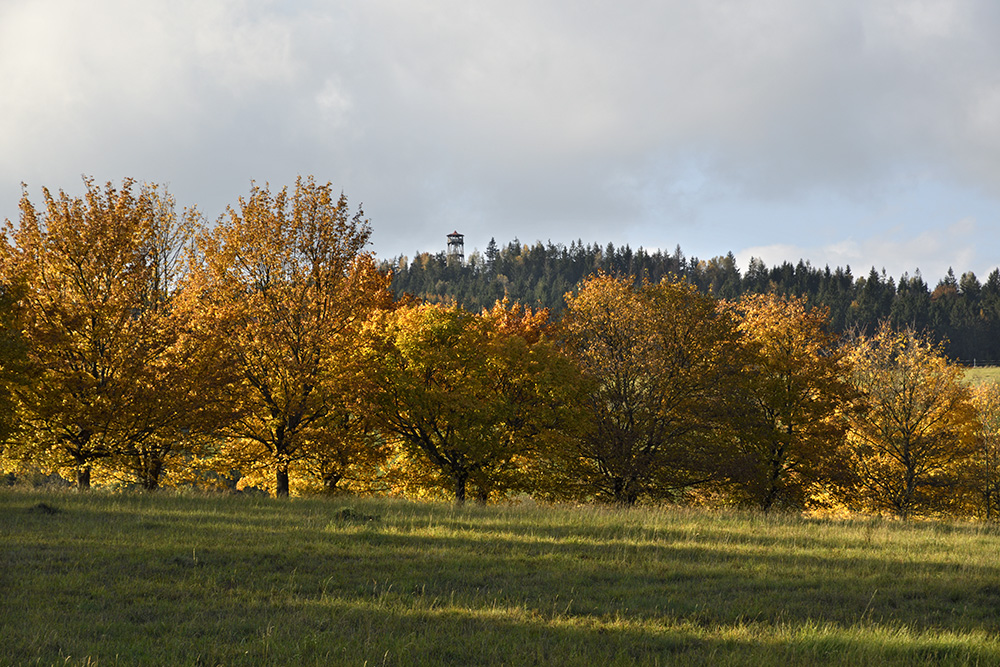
pixel 96 276
pixel 284 282
pixel 12 372
pixel 539 390
pixel 658 359
pixel 348 454
pixel 789 426
pixel 471 396
pixel 982 471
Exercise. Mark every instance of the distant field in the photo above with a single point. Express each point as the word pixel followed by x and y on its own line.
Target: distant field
pixel 982 374
pixel 159 579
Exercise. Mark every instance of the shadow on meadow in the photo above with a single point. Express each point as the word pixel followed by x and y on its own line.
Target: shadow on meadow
pixel 305 582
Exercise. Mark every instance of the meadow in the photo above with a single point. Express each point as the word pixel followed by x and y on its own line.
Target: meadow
pixel 107 579
pixel 982 374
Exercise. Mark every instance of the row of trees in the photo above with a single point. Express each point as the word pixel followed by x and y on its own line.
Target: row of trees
pixel 141 347
pixel 142 342
pixel 959 312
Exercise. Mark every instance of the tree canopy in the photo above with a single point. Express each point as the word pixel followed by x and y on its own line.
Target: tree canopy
pixel 284 282
pixel 655 358
pixel 960 313
pixel 146 348
pixel 93 280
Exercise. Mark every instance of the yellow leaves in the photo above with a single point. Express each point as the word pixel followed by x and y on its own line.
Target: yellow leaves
pixel 283 282
pixel 508 319
pixel 986 399
pixel 284 337
pixel 789 428
pixel 915 422
pixel 462 393
pixel 97 324
pixel 657 358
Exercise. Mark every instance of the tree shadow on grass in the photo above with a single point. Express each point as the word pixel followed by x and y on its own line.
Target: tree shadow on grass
pixel 302 587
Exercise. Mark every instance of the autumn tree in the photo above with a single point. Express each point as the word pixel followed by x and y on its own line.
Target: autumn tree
pixel 789 426
pixel 468 395
pixel 283 280
pixel 12 367
pixel 914 424
pixel 538 389
pixel 348 454
pixel 95 279
pixel 981 472
pixel 657 360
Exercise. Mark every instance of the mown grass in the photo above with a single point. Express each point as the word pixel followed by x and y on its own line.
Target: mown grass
pixel 160 579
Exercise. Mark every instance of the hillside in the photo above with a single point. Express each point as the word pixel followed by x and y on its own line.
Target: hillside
pixel 962 312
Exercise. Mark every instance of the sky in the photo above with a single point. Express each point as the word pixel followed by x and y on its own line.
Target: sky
pixel 843 132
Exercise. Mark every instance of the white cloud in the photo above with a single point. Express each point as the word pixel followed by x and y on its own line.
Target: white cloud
pixel 932 252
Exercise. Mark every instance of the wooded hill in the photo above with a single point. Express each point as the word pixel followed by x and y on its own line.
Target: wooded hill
pixel 961 313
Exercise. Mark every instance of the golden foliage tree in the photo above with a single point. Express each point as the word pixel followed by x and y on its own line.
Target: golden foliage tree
pixel 657 359
pixel 348 454
pixel 469 395
pixel 12 371
pixel 96 279
pixel 538 388
pixel 790 424
pixel 284 282
pixel 914 425
pixel 982 472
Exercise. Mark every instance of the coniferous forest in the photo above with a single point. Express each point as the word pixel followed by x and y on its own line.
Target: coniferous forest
pixel 960 312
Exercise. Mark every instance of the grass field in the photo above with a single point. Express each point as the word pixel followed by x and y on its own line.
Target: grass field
pixel 160 579
pixel 981 374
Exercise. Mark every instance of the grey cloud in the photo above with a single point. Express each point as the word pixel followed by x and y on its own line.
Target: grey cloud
pixel 542 119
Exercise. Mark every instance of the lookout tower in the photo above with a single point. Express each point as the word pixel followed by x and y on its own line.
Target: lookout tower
pixel 456 247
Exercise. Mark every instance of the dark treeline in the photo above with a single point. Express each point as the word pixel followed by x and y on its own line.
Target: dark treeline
pixel 962 313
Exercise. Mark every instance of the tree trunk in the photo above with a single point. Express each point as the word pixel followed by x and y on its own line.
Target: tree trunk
pixel 773 480
pixel 281 480
pixel 330 482
pixel 909 492
pixel 83 478
pixel 151 477
pixel 624 495
pixel 460 483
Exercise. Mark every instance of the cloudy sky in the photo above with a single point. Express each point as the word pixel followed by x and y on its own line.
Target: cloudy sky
pixel 860 132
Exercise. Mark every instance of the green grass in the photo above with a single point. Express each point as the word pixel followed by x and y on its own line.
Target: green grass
pixel 982 374
pixel 161 579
